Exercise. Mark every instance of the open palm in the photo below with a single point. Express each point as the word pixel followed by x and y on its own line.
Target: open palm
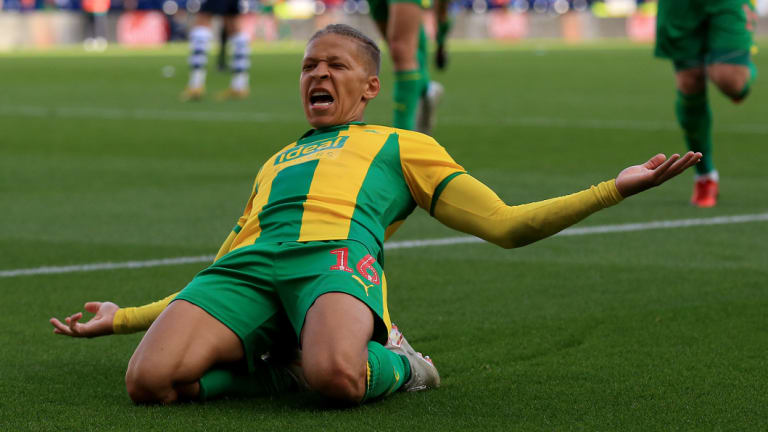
pixel 656 171
pixel 99 325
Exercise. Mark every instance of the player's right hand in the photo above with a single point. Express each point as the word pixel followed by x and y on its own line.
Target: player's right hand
pixel 656 171
pixel 99 325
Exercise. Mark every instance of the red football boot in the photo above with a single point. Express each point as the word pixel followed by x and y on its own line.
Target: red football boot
pixel 705 192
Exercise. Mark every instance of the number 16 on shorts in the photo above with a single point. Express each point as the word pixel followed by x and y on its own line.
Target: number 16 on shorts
pixel 365 267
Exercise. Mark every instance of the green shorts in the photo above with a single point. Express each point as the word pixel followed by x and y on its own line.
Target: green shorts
pixel 262 292
pixel 695 33
pixel 380 8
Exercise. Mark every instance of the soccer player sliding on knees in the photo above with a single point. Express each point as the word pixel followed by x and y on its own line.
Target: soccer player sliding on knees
pixel 302 267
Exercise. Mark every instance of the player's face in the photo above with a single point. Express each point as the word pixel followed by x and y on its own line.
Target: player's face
pixel 335 83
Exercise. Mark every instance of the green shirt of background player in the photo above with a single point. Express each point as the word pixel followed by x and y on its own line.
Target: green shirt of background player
pixel 185 346
pixel 706 39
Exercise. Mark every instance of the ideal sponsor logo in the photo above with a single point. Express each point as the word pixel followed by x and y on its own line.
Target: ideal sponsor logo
pixel 311 148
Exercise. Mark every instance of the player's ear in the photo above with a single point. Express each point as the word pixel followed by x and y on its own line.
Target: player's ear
pixel 372 87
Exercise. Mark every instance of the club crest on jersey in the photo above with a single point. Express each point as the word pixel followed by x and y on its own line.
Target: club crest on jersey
pixel 311 148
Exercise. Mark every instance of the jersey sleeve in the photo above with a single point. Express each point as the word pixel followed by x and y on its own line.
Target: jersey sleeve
pixel 136 319
pixel 427 167
pixel 470 206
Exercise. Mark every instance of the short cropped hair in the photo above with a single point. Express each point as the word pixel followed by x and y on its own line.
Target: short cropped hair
pixel 368 46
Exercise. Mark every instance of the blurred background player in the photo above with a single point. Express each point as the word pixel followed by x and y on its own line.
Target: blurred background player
pixel 706 39
pixel 444 24
pixel 199 44
pixel 96 24
pixel 221 58
pixel 267 8
pixel 415 96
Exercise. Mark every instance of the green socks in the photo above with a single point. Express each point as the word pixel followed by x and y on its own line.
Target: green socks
pixel 409 85
pixel 266 380
pixel 443 29
pixel 695 118
pixel 422 55
pixel 387 371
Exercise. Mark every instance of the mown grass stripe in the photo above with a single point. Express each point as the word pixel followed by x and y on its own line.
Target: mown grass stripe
pixel 108 113
pixel 405 244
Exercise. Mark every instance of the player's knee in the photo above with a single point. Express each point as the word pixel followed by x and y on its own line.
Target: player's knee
pixel 337 380
pixel 732 86
pixel 401 50
pixel 146 385
pixel 730 79
pixel 691 81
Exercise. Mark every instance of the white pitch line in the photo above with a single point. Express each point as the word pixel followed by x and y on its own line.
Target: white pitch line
pixel 406 244
pixel 106 266
pixel 600 229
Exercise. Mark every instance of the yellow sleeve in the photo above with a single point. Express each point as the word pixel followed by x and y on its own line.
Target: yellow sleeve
pixel 468 205
pixel 136 319
pixel 425 164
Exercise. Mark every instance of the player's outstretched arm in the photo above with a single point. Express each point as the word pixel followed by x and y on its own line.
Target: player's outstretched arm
pixel 468 205
pixel 656 171
pixel 110 318
pixel 99 325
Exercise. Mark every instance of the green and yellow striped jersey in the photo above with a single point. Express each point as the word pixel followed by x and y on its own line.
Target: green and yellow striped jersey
pixel 353 181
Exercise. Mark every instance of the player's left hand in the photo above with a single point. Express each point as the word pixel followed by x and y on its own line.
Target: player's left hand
pixel 656 171
pixel 99 325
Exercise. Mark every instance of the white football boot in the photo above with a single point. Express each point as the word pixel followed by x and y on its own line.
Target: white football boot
pixel 424 374
pixel 427 115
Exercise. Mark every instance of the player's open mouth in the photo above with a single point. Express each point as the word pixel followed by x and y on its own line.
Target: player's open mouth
pixel 320 99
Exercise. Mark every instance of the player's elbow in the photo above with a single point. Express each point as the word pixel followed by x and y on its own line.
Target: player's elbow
pixel 502 241
pixel 503 237
pixel 510 243
pixel 511 239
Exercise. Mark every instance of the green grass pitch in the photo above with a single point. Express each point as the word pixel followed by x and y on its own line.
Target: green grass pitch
pixel 629 331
